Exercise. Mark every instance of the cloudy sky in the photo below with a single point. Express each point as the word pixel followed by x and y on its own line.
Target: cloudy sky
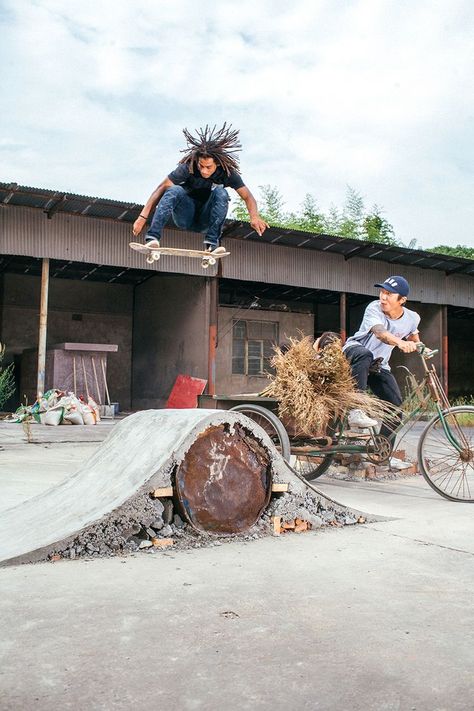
pixel 375 94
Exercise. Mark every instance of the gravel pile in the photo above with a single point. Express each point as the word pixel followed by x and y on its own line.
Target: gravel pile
pixel 153 525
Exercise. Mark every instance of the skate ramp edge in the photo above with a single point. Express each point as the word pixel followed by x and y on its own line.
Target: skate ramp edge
pixel 140 453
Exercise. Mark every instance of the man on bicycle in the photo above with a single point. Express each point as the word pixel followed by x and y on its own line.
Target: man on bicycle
pixel 386 324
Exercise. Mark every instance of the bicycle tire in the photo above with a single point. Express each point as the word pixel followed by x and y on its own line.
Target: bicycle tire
pixel 447 471
pixel 311 468
pixel 272 425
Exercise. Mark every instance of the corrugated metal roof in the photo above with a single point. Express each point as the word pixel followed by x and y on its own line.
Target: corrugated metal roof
pixel 350 248
pixel 52 201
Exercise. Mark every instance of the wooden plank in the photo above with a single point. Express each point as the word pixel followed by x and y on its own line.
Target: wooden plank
pixel 164 491
pixel 162 542
pixel 279 486
pixel 276 521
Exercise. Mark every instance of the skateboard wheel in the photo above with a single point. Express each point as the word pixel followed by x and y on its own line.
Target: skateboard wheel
pixel 205 263
pixel 212 261
pixel 155 256
pixel 149 260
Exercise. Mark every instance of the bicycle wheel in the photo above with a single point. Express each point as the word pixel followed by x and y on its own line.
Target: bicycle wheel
pixel 448 471
pixel 311 466
pixel 270 423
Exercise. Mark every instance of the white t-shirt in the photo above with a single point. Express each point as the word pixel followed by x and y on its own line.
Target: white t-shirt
pixel 399 327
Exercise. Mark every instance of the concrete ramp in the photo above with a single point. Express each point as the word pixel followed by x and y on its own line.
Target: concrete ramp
pixel 141 453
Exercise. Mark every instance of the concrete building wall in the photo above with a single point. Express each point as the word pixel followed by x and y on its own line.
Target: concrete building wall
pixel 289 324
pixel 326 318
pixel 83 312
pixel 170 336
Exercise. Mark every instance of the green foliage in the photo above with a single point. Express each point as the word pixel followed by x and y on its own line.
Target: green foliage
pixel 458 251
pixel 239 210
pixel 271 206
pixel 377 228
pixel 7 382
pixel 353 220
pixel 311 219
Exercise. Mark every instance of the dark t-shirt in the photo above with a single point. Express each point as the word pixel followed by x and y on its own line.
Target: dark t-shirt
pixel 199 188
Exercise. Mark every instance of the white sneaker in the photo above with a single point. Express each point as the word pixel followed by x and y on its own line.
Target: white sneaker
pixel 214 249
pixel 152 243
pixel 358 418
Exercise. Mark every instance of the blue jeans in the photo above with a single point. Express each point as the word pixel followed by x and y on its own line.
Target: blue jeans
pixel 189 214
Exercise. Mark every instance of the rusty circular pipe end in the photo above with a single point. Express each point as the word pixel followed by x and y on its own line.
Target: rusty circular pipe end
pixel 224 482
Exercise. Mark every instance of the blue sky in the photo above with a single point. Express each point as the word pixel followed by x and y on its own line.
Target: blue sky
pixel 376 94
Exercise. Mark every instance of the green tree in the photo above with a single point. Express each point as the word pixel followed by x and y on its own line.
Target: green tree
pixel 458 251
pixel 352 223
pixel 310 218
pixel 271 206
pixel 333 221
pixel 239 210
pixel 377 228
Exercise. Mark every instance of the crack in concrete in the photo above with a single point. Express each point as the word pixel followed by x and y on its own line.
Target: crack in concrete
pixel 424 543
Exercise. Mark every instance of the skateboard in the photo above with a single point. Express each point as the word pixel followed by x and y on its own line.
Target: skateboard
pixel 208 259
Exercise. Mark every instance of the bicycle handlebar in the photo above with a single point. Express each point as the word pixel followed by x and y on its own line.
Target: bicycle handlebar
pixel 426 352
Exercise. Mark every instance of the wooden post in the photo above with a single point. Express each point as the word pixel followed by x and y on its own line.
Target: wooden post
pixel 213 303
pixel 444 348
pixel 343 315
pixel 43 323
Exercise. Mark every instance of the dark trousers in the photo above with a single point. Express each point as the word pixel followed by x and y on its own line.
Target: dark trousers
pixel 188 214
pixel 382 384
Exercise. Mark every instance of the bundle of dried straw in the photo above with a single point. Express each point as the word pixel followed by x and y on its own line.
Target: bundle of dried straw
pixel 314 388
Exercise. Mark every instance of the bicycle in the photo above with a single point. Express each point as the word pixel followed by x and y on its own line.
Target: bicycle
pixel 445 449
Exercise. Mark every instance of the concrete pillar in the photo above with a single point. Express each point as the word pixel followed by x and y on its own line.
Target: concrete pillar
pixel 43 323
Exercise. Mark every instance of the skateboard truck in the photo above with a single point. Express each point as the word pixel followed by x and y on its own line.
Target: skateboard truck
pixel 153 256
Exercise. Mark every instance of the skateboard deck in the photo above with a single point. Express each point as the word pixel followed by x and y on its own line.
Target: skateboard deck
pixel 208 259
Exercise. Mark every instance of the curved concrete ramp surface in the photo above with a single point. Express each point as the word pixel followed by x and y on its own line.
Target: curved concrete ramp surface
pixel 142 449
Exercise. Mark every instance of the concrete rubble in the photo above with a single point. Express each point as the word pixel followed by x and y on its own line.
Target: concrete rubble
pixel 147 526
pixel 353 467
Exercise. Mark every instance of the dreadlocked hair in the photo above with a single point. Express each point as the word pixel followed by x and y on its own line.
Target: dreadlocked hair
pixel 222 145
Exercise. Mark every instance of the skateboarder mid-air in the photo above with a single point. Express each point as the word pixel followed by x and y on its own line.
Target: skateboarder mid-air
pixel 194 194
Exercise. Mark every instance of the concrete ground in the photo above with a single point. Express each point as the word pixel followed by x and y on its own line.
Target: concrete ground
pixel 378 616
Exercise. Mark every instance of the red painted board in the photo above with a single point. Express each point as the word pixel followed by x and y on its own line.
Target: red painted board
pixel 185 391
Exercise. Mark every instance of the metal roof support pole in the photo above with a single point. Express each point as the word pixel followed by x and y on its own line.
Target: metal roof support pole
pixel 343 315
pixel 43 322
pixel 444 348
pixel 213 304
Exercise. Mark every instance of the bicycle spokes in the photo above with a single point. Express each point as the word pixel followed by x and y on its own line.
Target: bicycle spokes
pixel 446 453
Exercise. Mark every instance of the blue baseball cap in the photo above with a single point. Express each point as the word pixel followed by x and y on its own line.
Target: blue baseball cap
pixel 395 284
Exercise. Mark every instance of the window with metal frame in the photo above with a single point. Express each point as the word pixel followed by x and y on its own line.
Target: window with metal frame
pixel 252 346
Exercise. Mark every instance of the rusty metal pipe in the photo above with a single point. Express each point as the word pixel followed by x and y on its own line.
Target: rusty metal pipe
pixel 224 482
pixel 343 316
pixel 213 303
pixel 43 324
pixel 444 348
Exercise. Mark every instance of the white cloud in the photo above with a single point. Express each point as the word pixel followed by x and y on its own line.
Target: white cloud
pixel 372 94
